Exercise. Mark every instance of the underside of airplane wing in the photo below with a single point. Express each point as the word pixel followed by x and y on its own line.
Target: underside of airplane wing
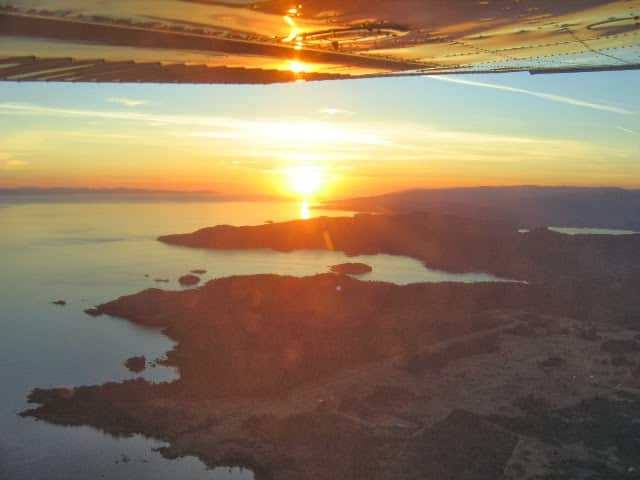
pixel 269 41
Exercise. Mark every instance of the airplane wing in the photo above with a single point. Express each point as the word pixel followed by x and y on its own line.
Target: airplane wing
pixel 267 41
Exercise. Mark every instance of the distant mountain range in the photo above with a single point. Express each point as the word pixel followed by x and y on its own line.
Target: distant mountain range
pixel 65 194
pixel 521 206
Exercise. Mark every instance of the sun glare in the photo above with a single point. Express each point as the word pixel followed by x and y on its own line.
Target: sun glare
pixel 305 180
pixel 298 67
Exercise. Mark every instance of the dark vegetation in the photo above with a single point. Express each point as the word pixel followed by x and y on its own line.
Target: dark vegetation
pixel 248 335
pixel 600 424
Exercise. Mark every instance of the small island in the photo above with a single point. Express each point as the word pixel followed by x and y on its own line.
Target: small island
pixel 351 268
pixel 136 364
pixel 188 280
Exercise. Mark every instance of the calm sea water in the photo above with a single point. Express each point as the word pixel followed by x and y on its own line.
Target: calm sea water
pixel 591 231
pixel 586 231
pixel 86 254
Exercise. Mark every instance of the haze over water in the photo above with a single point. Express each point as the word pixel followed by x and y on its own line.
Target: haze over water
pixel 89 253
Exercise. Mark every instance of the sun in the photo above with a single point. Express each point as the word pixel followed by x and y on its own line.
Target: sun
pixel 298 67
pixel 305 180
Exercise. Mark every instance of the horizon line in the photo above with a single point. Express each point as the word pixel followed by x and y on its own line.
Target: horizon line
pixel 26 189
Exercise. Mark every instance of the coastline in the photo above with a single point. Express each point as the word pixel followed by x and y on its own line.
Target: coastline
pixel 279 374
pixel 472 374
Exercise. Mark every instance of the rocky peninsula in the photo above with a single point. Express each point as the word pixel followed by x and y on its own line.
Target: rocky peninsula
pixel 443 242
pixel 280 374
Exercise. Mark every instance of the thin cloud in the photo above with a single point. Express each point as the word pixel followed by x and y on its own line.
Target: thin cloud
pixel 627 130
pixel 287 131
pixel 216 135
pixel 545 96
pixel 335 112
pixel 280 139
pixel 128 102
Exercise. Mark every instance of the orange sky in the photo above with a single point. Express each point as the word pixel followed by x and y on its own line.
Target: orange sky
pixel 351 138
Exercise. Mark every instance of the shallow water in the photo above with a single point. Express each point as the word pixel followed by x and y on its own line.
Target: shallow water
pixel 585 231
pixel 86 254
pixel 591 231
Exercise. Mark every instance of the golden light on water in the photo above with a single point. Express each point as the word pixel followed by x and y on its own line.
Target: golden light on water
pixel 305 210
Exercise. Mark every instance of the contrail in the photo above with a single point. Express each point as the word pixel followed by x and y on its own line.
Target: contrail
pixel 544 96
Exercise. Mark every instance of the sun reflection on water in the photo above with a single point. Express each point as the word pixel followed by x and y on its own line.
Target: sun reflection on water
pixel 305 210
